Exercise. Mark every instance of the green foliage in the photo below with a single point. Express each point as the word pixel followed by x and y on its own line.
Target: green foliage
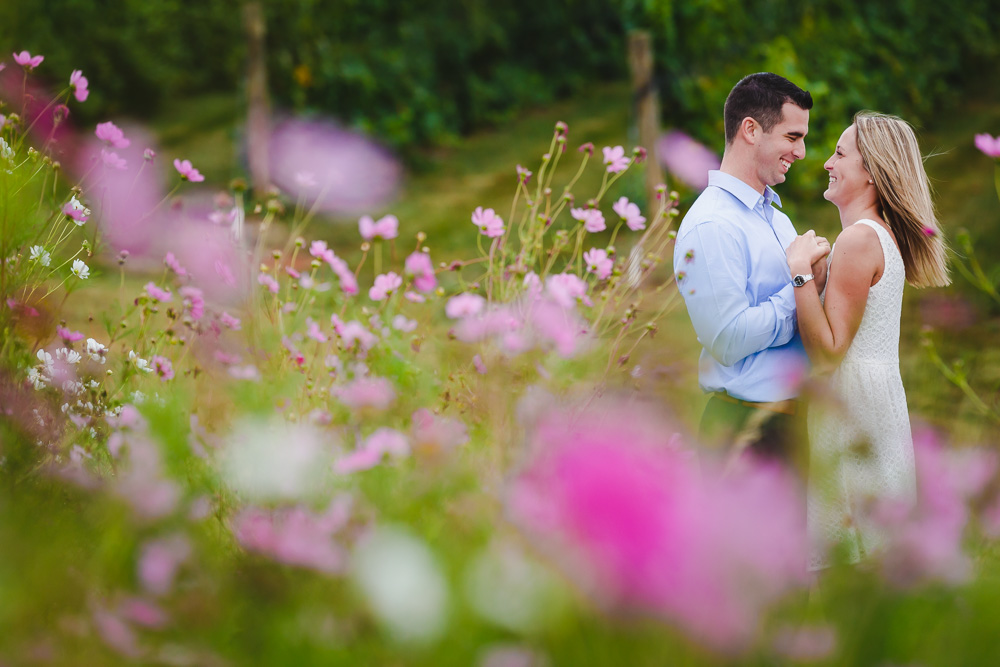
pixel 903 58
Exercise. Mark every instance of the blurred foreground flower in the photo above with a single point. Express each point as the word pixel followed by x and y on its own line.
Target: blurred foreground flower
pixel 275 460
pixel 403 584
pixel 687 159
pixel 333 169
pixel 988 145
pixel 639 524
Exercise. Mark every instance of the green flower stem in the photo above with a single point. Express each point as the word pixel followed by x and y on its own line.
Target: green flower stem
pixel 614 234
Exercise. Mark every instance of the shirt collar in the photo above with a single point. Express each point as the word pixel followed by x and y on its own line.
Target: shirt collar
pixel 737 188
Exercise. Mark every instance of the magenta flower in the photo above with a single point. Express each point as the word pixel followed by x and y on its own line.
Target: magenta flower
pixel 194 301
pixel 988 145
pixel 644 526
pixel 269 282
pixel 687 159
pixel 112 135
pixel 386 228
pixel 157 294
pixel 25 59
pixel 366 392
pixel 229 321
pixel 79 84
pixel 164 369
pixel 174 265
pixel 187 172
pixel 598 263
pixel 630 214
pixel 464 305
pixel 77 211
pixel 384 286
pixel 592 219
pixel 489 223
pixel 148 154
pixel 69 336
pixel 615 159
pixel 112 160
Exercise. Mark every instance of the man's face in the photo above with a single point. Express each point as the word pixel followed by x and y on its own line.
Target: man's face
pixel 783 145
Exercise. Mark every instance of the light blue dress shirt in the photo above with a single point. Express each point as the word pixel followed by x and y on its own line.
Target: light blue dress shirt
pixel 729 260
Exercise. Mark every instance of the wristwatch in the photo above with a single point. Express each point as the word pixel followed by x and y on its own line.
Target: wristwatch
pixel 801 279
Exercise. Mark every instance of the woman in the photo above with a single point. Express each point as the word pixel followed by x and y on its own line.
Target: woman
pixel 860 444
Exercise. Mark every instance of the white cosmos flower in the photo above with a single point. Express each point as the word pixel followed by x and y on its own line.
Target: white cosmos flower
pixel 38 381
pixel 68 355
pixel 80 270
pixel 96 351
pixel 139 362
pixel 40 255
pixel 6 152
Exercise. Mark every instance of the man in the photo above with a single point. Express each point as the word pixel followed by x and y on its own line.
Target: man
pixel 729 260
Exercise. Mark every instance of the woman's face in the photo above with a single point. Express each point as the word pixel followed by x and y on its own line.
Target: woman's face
pixel 849 179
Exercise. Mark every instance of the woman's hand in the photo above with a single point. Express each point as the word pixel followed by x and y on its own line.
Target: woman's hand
pixel 805 251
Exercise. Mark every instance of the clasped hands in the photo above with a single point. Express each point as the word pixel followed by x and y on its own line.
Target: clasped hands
pixel 807 253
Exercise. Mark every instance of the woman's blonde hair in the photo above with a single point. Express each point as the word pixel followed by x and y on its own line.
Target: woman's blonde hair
pixel 891 155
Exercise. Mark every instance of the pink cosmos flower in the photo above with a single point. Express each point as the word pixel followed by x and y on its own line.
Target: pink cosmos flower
pixel 687 159
pixel 229 321
pixel 489 223
pixel 592 219
pixel 143 612
pixel 348 282
pixel 117 634
pixel 174 265
pixel 112 135
pixel 148 154
pixel 434 435
pixel 142 483
pixel 164 369
pixel 643 525
pixel 419 266
pixel 598 263
pixel 269 282
pixel 319 250
pixel 403 323
pixel 194 301
pixel 79 213
pixel 615 159
pixel 187 172
pixel 348 174
pixel 313 331
pixel 366 392
pixel 79 84
pixel 385 285
pixel 69 336
pixel 414 297
pixel 354 333
pixel 386 228
pixel 296 536
pixel 566 289
pixel 383 441
pixel 112 160
pixel 157 294
pixel 553 325
pixel 464 305
pixel 630 213
pixel 988 145
pixel 25 59
pixel 477 362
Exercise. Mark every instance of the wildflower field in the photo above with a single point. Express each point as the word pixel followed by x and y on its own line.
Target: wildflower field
pixel 227 439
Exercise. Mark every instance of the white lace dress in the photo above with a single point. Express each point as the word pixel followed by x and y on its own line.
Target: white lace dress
pixel 861 449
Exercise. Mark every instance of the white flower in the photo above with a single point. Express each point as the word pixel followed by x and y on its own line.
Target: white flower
pixel 6 152
pixel 45 358
pixel 96 351
pixel 138 397
pixel 78 206
pixel 38 381
pixel 68 355
pixel 139 362
pixel 40 255
pixel 80 270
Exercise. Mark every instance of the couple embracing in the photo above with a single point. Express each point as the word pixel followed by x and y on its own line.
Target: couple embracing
pixel 768 305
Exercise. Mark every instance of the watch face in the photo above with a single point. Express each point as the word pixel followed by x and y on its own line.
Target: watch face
pixel 798 281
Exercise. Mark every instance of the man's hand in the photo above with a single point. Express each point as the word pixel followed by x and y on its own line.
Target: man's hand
pixel 805 251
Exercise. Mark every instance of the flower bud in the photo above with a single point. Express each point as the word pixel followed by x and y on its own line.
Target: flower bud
pixel 421 237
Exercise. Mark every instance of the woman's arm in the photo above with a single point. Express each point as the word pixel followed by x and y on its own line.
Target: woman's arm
pixel 828 329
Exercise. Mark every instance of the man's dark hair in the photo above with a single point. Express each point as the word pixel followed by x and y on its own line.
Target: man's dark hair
pixel 761 96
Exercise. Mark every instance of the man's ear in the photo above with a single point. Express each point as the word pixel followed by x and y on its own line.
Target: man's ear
pixel 749 129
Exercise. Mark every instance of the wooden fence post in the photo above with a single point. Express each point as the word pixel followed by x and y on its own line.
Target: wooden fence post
pixel 258 131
